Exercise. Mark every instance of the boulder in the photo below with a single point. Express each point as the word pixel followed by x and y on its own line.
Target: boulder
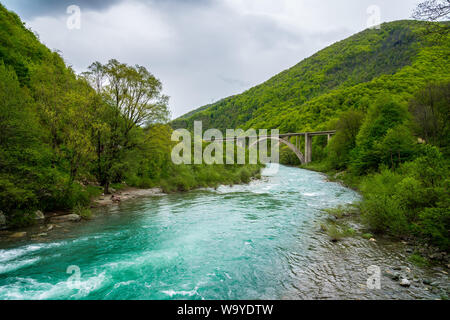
pixel 116 199
pixel 2 219
pixel 66 218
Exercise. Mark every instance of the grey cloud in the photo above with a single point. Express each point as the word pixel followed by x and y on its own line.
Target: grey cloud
pixel 36 8
pixel 202 50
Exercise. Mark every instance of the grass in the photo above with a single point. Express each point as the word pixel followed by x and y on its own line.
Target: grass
pixel 342 211
pixel 336 232
pixel 83 212
pixel 418 260
pixel 202 176
pixel 367 236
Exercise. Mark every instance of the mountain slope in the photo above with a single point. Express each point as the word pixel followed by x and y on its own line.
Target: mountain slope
pixel 19 47
pixel 396 59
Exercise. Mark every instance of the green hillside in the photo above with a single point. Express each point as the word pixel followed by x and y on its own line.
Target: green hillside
pixel 397 59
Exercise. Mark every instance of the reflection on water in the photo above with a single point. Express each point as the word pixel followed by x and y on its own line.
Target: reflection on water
pixel 257 241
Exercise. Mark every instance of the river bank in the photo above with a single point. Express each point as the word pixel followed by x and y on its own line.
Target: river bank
pixel 51 221
pixel 418 252
pixel 256 241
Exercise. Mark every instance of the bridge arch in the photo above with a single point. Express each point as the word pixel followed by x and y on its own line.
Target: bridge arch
pixel 297 152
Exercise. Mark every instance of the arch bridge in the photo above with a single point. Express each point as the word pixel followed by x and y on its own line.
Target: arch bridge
pixel 286 139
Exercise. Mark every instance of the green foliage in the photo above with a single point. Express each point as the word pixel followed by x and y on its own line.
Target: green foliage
pixel 382 90
pixel 19 47
pixel 337 232
pixel 383 137
pixel 367 236
pixel 412 200
pixel 83 212
pixel 344 141
pixel 417 259
pixel 63 135
pixel 431 110
pixel 397 60
pixel 342 211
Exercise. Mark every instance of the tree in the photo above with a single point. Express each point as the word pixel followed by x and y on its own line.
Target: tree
pixel 397 146
pixel 434 11
pixel 23 167
pixel 131 98
pixel 430 108
pixel 384 114
pixel 345 139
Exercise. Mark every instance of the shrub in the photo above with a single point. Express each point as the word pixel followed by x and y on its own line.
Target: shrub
pixel 83 212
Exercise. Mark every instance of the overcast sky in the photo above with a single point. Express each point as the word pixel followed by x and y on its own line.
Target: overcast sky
pixel 202 50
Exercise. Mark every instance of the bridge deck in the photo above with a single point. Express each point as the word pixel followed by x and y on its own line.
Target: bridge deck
pixel 283 135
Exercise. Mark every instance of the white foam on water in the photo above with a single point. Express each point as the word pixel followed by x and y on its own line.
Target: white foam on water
pixel 124 283
pixel 13 266
pixel 31 289
pixel 172 293
pixel 11 254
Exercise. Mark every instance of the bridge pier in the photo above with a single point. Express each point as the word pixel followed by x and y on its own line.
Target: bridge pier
pixel 308 148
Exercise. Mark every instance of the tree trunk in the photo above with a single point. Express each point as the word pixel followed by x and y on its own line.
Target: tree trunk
pixel 106 188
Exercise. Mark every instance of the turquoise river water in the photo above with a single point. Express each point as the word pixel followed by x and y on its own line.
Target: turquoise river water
pixel 256 241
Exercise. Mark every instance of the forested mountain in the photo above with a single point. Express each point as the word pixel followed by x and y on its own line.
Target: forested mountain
pixel 397 59
pixel 387 93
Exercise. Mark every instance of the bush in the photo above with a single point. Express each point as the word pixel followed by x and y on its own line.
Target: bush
pixel 83 212
pixel 434 224
pixel 414 200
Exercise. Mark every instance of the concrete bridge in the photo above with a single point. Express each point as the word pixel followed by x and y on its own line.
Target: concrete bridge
pixel 287 139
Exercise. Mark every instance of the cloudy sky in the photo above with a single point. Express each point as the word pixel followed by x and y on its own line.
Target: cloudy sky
pixel 202 50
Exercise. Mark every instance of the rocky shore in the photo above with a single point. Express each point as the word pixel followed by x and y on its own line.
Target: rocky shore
pixel 48 222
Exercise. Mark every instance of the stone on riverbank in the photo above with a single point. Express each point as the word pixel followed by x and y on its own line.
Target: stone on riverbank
pixel 67 218
pixel 405 283
pixel 18 235
pixel 39 216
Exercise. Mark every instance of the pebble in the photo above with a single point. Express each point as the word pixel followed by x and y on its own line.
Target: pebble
pixel 405 283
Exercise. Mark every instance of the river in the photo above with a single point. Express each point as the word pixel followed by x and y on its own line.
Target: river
pixel 256 241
